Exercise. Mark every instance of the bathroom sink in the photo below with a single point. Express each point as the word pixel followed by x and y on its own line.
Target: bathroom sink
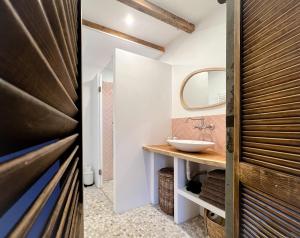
pixel 190 145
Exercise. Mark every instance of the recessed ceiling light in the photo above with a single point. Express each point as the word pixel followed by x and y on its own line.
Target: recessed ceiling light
pixel 129 20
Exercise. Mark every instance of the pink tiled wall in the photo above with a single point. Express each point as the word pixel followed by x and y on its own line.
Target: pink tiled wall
pixel 107 97
pixel 184 129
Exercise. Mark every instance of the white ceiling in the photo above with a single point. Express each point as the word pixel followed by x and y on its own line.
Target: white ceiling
pixel 98 47
pixel 191 10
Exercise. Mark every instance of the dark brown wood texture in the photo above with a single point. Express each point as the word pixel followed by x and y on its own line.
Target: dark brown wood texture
pixel 28 167
pixel 24 65
pixel 24 226
pixel 40 99
pixel 54 21
pixel 70 215
pixel 269 160
pixel 27 121
pixel 45 39
pixel 68 190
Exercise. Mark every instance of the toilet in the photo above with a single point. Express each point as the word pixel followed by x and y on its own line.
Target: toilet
pixel 88 175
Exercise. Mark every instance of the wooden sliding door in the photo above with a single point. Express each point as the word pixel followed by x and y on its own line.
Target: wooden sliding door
pixel 40 118
pixel 263 133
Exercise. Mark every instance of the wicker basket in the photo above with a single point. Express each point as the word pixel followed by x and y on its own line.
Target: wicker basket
pixel 214 229
pixel 166 190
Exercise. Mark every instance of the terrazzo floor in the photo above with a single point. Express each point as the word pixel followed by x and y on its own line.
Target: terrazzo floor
pixel 147 221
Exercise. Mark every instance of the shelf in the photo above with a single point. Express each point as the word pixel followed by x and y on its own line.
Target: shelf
pixel 195 198
pixel 210 158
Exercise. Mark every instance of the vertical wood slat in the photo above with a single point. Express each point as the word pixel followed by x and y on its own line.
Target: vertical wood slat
pixel 63 222
pixel 65 193
pixel 70 215
pixel 79 224
pixel 24 65
pixel 31 11
pixel 71 24
pixel 52 15
pixel 23 227
pixel 66 30
pixel 74 219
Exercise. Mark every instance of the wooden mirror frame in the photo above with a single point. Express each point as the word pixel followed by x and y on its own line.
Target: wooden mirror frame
pixel 184 104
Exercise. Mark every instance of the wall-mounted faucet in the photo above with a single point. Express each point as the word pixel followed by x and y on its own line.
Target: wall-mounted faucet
pixel 202 124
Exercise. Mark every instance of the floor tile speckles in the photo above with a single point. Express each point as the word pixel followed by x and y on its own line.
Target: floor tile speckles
pixel 147 221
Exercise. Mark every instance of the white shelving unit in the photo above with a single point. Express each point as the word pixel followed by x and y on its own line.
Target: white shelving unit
pixel 186 204
pixel 195 198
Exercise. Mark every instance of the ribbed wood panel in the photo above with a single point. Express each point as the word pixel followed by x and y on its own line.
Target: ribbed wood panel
pixel 54 21
pixel 28 167
pixel 271 111
pixel 26 120
pixel 269 216
pixel 25 66
pixel 44 37
pixel 269 163
pixel 40 123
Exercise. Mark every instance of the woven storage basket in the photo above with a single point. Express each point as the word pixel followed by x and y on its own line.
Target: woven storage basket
pixel 166 190
pixel 214 230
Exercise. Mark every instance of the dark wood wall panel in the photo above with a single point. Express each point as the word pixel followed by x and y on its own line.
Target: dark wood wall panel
pixel 44 37
pixel 270 115
pixel 66 209
pixel 70 215
pixel 266 156
pixel 41 118
pixel 67 191
pixel 28 220
pixel 26 121
pixel 25 66
pixel 28 167
pixel 65 27
pixel 269 216
pixel 54 21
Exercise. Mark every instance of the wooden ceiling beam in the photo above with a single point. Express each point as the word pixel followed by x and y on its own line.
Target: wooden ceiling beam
pixel 121 35
pixel 160 14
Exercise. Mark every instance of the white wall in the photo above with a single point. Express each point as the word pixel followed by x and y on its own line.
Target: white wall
pixel 204 48
pixel 142 112
pixel 91 125
pixel 107 75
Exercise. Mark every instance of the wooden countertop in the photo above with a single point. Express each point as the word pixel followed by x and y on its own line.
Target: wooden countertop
pixel 208 157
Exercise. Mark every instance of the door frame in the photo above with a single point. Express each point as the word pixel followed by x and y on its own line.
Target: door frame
pixel 99 160
pixel 233 129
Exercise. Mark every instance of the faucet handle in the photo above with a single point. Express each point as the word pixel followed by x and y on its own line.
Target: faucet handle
pixel 210 126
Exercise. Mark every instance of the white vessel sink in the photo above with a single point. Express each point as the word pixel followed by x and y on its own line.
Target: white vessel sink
pixel 190 145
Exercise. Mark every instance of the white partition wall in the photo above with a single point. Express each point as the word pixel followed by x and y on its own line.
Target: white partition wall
pixel 142 115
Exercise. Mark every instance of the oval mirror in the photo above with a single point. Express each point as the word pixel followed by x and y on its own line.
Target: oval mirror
pixel 204 89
